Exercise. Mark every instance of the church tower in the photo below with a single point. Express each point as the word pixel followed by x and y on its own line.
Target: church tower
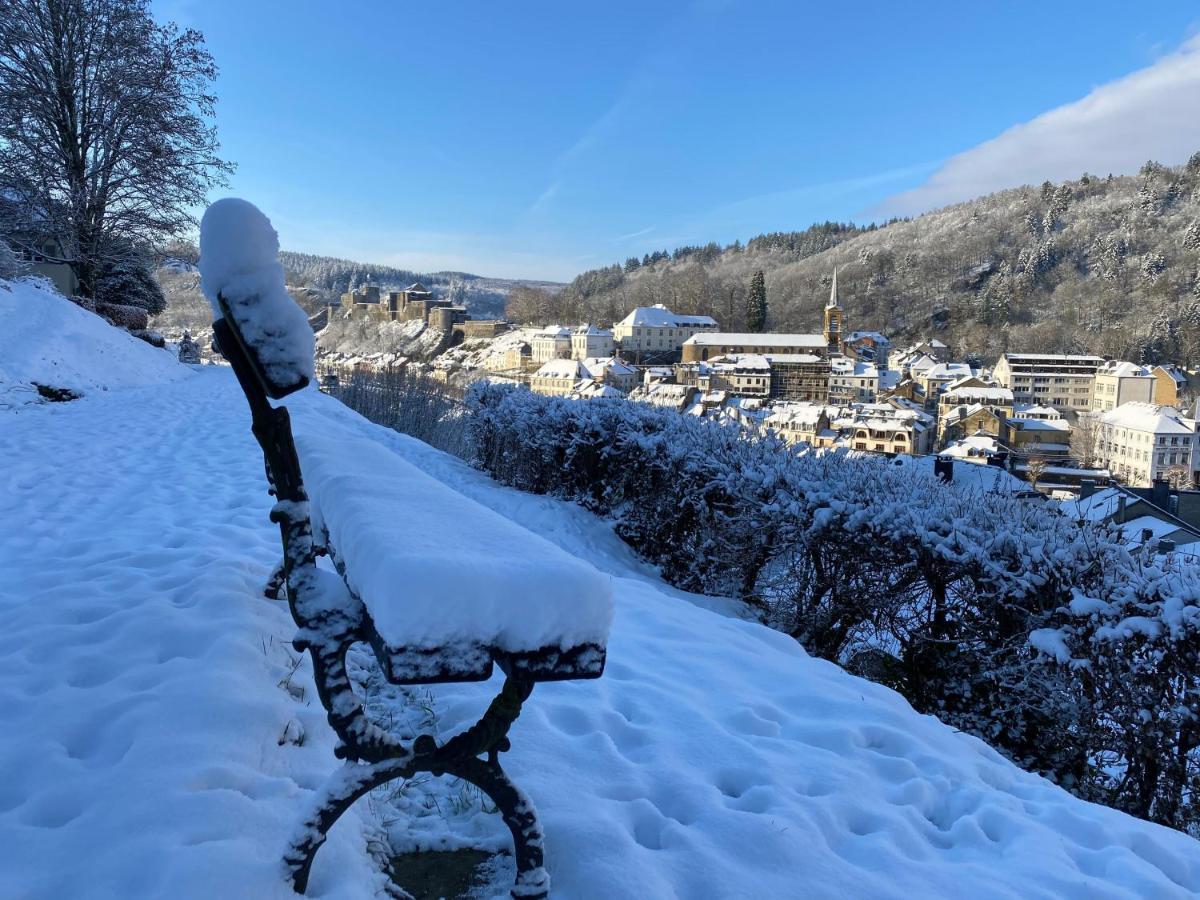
pixel 833 320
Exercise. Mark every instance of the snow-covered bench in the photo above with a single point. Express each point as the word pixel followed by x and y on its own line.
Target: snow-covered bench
pixel 439 586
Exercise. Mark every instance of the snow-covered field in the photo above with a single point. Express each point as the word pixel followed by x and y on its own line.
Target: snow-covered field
pixel 150 707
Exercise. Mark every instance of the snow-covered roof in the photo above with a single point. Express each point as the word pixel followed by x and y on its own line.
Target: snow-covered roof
pixel 803 414
pixel 1053 357
pixel 856 368
pixel 598 366
pixel 991 394
pixel 560 368
pixel 553 331
pixel 1119 369
pixel 741 361
pixel 1148 417
pixel 1035 411
pixel 591 331
pixel 1055 425
pixel 947 370
pixel 784 359
pixel 658 316
pixel 976 447
pixel 590 389
pixel 755 339
pixel 867 335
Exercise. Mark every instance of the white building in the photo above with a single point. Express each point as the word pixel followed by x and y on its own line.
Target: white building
pixel 933 378
pixel 557 377
pixel 1064 381
pixel 613 372
pixel 653 330
pixel 708 345
pixel 590 342
pixel 553 342
pixel 853 381
pixel 1140 442
pixel 1119 382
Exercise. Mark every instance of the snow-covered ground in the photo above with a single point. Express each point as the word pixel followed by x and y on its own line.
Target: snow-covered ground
pixel 151 710
pixel 46 340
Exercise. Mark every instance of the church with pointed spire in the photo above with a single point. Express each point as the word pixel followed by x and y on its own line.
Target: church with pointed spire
pixel 833 320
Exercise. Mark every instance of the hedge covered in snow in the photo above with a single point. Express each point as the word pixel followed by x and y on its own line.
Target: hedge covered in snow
pixel 1053 640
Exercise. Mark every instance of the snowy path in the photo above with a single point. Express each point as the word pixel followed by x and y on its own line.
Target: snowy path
pixel 141 709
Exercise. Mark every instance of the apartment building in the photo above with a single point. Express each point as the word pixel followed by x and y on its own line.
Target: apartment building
pixel 1122 382
pixel 1141 442
pixel 1064 381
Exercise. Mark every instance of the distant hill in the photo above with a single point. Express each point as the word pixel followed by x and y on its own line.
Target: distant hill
pixel 1108 265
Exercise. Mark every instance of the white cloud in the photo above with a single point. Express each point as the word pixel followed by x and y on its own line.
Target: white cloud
pixel 1149 114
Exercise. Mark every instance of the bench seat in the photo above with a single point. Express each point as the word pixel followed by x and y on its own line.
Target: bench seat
pixel 450 586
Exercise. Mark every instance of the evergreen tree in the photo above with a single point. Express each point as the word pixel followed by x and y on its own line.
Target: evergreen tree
pixel 756 303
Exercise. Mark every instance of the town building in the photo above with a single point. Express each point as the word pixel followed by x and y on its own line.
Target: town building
pixel 552 342
pixel 1122 382
pixel 802 423
pixel 799 377
pixel 1142 442
pixel 1064 381
pixel 857 381
pixel 614 372
pixel 651 332
pixel 957 422
pixel 933 379
pixel 707 346
pixel 868 346
pixel 1170 385
pixel 974 390
pixel 590 342
pixel 886 428
pixel 557 377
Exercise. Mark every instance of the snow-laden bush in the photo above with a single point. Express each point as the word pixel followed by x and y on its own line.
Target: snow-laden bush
pixel 931 588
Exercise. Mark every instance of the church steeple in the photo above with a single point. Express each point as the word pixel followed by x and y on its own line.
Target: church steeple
pixel 833 320
pixel 833 294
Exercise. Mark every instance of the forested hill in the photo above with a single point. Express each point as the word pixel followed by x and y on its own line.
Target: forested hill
pixel 1100 264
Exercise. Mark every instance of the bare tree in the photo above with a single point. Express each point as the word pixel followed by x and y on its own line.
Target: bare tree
pixel 1085 439
pixel 1035 468
pixel 105 125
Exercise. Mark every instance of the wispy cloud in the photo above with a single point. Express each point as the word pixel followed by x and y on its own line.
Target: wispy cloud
pixel 1149 114
pixel 621 238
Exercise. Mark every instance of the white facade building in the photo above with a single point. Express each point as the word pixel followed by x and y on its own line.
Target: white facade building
pixel 590 342
pixel 656 330
pixel 1119 382
pixel 1139 442
pixel 557 377
pixel 553 342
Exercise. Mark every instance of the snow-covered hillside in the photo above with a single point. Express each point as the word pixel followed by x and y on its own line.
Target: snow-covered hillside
pixel 47 340
pixel 151 712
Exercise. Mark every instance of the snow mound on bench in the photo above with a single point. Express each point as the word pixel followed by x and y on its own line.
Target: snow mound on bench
pixel 46 339
pixel 436 569
pixel 239 259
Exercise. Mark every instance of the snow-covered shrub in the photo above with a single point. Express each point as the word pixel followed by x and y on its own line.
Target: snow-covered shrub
pixel 126 279
pixel 1131 640
pixel 931 588
pixel 131 318
pixel 10 265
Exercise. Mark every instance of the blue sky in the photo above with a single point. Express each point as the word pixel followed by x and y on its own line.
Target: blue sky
pixel 542 139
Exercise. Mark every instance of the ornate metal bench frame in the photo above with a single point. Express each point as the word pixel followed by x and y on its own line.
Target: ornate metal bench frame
pixel 373 757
